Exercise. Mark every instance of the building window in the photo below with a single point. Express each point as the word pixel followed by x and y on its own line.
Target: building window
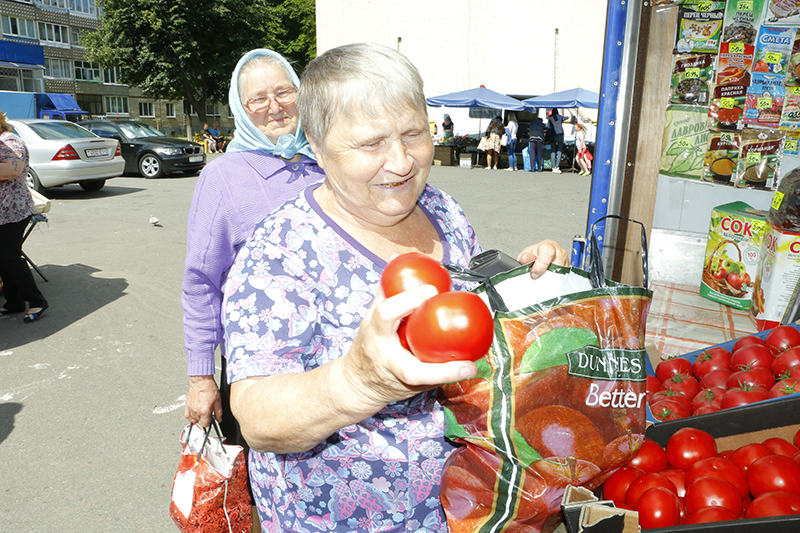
pixel 230 111
pixel 86 71
pixel 19 27
pixel 53 33
pixel 170 110
pixel 57 68
pixel 116 105
pixel 12 79
pixel 64 4
pixel 212 110
pixel 76 37
pixel 111 76
pixel 91 103
pixel 83 7
pixel 146 109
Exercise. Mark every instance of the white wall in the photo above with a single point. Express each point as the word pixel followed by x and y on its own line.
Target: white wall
pixel 506 45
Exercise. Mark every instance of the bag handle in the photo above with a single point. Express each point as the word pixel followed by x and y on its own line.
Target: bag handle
pixel 596 274
pixel 496 302
pixel 207 433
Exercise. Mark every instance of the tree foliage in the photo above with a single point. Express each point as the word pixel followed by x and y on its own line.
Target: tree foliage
pixel 187 49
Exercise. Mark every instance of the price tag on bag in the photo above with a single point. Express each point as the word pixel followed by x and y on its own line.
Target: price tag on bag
pixel 764 102
pixel 753 157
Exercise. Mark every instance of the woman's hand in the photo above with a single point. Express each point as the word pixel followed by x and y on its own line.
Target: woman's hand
pixel 543 253
pixel 203 401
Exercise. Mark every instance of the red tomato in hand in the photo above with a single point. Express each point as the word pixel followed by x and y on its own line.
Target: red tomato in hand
pixel 773 473
pixel 774 504
pixel 616 486
pixel 658 507
pixel 711 514
pixel 710 491
pixel 721 468
pixel 746 341
pixel 451 326
pixel 786 360
pixel 671 367
pixel 411 270
pixel 781 338
pixel 650 457
pixel 753 356
pixel 780 446
pixel 711 359
pixel 688 445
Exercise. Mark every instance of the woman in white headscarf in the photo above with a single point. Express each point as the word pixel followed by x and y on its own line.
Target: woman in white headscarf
pixel 268 162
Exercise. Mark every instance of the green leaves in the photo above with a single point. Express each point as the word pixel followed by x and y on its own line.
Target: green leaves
pixel 551 349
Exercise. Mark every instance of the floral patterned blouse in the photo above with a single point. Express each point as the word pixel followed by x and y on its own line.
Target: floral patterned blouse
pixel 16 202
pixel 294 299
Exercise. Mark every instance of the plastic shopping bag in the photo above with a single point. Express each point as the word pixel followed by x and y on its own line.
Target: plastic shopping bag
pixel 559 399
pixel 210 493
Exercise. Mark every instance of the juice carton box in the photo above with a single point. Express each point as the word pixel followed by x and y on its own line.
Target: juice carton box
pixel 778 275
pixel 734 247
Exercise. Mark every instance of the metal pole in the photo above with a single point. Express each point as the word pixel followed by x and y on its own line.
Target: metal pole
pixel 616 90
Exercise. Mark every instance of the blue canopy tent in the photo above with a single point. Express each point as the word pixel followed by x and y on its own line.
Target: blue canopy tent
pixel 562 99
pixel 478 97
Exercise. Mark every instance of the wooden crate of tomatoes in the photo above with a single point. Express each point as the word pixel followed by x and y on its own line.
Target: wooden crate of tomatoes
pixel 751 369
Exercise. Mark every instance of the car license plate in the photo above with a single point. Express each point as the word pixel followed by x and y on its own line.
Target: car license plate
pixel 97 152
pixel 195 158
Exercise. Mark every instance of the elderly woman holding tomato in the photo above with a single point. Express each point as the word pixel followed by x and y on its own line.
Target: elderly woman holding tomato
pixel 342 420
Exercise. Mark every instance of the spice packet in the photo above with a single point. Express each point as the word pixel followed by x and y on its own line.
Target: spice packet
pixel 699 27
pixel 764 101
pixel 783 13
pixel 685 141
pixel 722 156
pixel 793 70
pixel 727 107
pixel 759 159
pixel 773 50
pixel 691 76
pixel 791 142
pixel 790 115
pixel 734 63
pixel 742 20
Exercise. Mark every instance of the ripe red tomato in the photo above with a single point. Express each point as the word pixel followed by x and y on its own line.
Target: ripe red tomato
pixel 780 446
pixel 711 359
pixel 688 445
pixel 450 326
pixel 781 338
pixel 745 455
pixel 616 486
pixel 796 439
pixel 669 394
pixel 786 360
pixel 650 457
pixel 754 377
pixel 773 473
pixel 753 356
pixel 411 270
pixel 706 409
pixel 774 504
pixel 711 514
pixel 671 367
pixel 745 395
pixel 686 384
pixel 666 410
pixel 653 386
pixel 721 468
pixel 645 482
pixel 708 397
pixel 658 507
pixel 716 378
pixel 784 387
pixel 678 478
pixel 710 491
pixel 746 341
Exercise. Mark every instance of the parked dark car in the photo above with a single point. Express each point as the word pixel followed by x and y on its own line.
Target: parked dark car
pixel 147 150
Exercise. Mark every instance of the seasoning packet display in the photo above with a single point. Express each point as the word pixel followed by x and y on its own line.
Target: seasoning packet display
pixel 742 20
pixel 685 140
pixel 722 156
pixel 764 101
pixel 793 70
pixel 790 115
pixel 691 76
pixel 727 107
pixel 783 13
pixel 790 143
pixel 699 27
pixel 773 50
pixel 734 63
pixel 759 159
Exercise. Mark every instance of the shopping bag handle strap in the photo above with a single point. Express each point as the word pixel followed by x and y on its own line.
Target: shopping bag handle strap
pixel 207 433
pixel 596 274
pixel 495 300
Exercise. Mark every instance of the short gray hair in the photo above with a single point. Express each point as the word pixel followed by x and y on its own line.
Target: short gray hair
pixel 256 63
pixel 355 80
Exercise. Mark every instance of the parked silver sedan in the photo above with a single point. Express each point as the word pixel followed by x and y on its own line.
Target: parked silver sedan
pixel 62 152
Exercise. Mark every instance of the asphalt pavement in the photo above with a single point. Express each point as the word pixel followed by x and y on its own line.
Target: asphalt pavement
pixel 92 395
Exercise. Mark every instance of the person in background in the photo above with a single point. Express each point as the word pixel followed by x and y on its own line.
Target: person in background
pixel 511 144
pixel 344 429
pixel 447 129
pixel 582 154
pixel 536 142
pixel 493 133
pixel 16 210
pixel 556 123
pixel 209 139
pixel 218 137
pixel 267 162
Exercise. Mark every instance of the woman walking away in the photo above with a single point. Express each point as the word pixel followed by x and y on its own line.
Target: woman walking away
pixel 511 143
pixel 16 210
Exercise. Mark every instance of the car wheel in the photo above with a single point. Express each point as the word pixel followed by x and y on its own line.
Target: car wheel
pixel 92 185
pixel 150 166
pixel 33 181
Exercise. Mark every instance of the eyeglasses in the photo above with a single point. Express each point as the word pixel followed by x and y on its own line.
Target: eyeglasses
pixel 261 103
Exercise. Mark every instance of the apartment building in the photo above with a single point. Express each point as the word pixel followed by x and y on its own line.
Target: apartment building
pixel 40 51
